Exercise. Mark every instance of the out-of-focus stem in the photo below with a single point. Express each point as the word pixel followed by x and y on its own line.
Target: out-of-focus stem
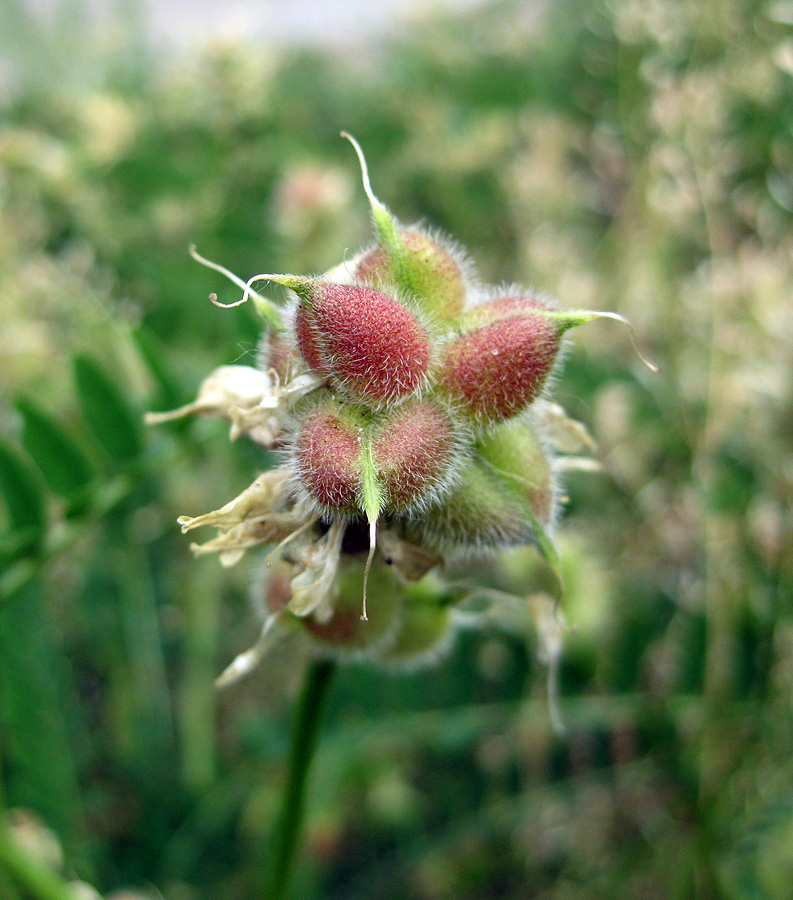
pixel 305 736
pixel 30 874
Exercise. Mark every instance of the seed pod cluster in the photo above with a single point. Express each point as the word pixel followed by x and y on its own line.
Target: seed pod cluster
pixel 425 412
pixel 405 396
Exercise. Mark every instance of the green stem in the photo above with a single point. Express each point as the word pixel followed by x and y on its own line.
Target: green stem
pixel 32 876
pixel 305 736
pixel 5 883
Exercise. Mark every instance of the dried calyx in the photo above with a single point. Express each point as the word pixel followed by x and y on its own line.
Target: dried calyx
pixel 408 400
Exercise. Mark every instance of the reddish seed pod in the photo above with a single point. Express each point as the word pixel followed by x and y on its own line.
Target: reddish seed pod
pixel 327 458
pixel 370 344
pixel 499 368
pixel 500 308
pixel 413 453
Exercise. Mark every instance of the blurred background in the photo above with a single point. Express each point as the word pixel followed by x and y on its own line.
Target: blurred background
pixel 627 155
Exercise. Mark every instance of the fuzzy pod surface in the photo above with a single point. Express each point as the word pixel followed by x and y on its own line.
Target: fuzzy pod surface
pixel 413 452
pixel 327 455
pixel 478 513
pixel 277 354
pixel 498 369
pixel 519 457
pixel 309 343
pixel 500 308
pixel 370 345
pixel 423 266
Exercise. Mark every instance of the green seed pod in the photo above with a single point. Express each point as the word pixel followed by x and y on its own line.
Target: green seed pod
pixel 505 495
pixel 479 512
pixel 518 455
pixel 425 630
pixel 411 260
pixel 423 638
pixel 346 633
pixel 420 265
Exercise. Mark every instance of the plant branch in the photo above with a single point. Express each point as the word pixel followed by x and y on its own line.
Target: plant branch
pixel 305 736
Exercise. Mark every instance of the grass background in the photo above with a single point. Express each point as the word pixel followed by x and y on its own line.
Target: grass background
pixel 630 155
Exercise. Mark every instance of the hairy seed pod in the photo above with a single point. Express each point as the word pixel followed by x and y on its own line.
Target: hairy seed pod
pixel 327 456
pixel 498 369
pixel 368 343
pixel 276 354
pixel 479 512
pixel 505 495
pixel 500 308
pixel 345 632
pixel 516 453
pixel 310 343
pixel 413 452
pixel 421 266
pixel 409 259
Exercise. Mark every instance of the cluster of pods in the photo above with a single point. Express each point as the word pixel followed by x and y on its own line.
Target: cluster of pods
pixel 404 397
pixel 424 415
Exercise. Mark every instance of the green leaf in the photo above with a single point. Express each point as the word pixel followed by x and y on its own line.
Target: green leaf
pixel 23 497
pixel 37 703
pixel 15 577
pixel 64 466
pixel 107 411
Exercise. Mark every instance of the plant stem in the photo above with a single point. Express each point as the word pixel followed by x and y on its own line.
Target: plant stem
pixel 305 736
pixel 33 876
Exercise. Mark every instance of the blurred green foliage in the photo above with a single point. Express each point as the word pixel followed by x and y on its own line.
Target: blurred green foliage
pixel 631 155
